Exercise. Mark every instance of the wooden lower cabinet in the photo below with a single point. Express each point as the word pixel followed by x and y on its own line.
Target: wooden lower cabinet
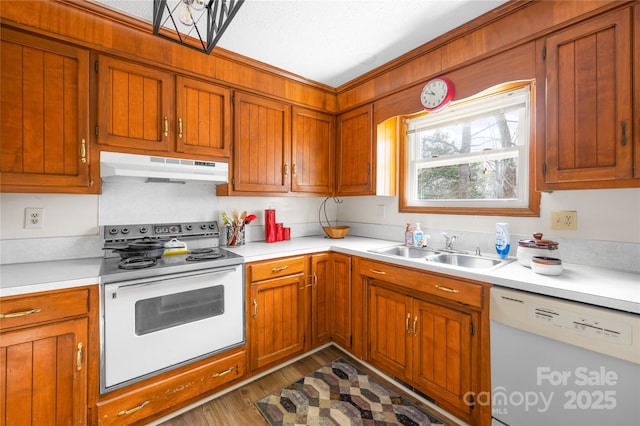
pixel 44 358
pixel 321 302
pixel 433 343
pixel 422 343
pixel 341 310
pixel 158 397
pixel 277 314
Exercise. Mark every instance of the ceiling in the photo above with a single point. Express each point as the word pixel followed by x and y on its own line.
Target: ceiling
pixel 332 41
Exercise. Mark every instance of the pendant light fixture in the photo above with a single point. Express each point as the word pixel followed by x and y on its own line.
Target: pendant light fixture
pixel 197 24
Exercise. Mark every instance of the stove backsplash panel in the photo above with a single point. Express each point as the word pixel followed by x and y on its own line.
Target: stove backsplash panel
pixel 139 202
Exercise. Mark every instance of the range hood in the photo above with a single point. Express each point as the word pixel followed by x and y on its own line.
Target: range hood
pixel 115 166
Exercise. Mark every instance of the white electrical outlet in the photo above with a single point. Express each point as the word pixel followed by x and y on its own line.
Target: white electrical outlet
pixel 34 218
pixel 564 220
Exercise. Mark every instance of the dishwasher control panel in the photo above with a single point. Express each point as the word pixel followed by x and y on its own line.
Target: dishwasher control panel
pixel 590 326
pixel 594 328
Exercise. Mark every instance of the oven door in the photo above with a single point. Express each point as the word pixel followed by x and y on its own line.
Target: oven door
pixel 151 325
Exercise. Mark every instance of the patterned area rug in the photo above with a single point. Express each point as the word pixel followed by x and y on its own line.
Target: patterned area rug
pixel 340 394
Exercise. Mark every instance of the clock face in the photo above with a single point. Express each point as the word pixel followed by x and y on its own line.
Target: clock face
pixel 437 94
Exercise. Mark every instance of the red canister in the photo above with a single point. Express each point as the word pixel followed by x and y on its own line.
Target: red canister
pixel 270 225
pixel 279 231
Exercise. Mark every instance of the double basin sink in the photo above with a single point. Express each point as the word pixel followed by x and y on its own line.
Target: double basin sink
pixel 443 257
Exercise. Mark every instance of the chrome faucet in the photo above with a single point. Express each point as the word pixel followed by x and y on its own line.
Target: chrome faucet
pixel 449 240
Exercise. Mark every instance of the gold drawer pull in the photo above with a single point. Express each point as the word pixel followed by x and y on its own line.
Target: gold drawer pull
pixel 375 271
pixel 134 409
pixel 406 324
pixel 281 268
pixel 21 313
pixel 255 308
pixel 447 289
pixel 166 125
pixel 223 373
pixel 415 321
pixel 180 127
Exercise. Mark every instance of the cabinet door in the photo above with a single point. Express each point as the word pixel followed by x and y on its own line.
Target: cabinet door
pixel 340 306
pixel 320 299
pixel 262 145
pixel 45 115
pixel 355 171
pixel 390 322
pixel 442 353
pixel 203 118
pixel 588 112
pixel 277 319
pixel 43 375
pixel 135 105
pixel 312 152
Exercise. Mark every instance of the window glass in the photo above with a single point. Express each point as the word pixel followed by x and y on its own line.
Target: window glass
pixel 473 154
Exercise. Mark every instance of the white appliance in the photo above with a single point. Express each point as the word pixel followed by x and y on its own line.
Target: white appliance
pixel 116 166
pixel 159 312
pixel 556 362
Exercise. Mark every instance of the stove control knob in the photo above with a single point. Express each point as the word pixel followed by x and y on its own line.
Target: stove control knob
pixel 188 227
pixel 212 226
pixel 143 229
pixel 203 226
pixel 113 231
pixel 125 230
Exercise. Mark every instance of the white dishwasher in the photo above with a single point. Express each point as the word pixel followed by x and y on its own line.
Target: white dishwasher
pixel 556 362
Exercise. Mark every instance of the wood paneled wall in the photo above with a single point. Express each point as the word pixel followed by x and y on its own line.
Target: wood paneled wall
pixel 494 48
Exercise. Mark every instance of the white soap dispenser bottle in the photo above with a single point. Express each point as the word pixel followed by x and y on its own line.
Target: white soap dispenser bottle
pixel 418 236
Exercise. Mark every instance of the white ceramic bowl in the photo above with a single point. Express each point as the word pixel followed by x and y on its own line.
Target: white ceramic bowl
pixel 524 254
pixel 546 265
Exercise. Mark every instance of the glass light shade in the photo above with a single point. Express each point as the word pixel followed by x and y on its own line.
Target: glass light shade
pixel 185 16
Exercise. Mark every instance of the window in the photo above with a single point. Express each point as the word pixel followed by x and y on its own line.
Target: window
pixel 471 158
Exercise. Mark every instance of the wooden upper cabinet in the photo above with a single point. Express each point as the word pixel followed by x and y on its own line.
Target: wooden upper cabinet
pixel 135 105
pixel 312 152
pixel 355 159
pixel 589 126
pixel 203 114
pixel 262 145
pixel 45 115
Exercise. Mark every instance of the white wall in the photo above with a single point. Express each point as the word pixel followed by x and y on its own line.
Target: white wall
pixel 606 215
pixel 64 215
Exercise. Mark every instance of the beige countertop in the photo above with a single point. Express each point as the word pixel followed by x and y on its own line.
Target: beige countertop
pixel 598 286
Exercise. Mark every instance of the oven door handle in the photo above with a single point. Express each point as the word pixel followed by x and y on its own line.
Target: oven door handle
pixel 143 282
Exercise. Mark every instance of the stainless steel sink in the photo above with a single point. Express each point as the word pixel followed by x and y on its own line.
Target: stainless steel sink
pixel 406 251
pixel 467 260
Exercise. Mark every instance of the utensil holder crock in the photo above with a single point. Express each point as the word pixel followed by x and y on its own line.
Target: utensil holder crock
pixel 235 236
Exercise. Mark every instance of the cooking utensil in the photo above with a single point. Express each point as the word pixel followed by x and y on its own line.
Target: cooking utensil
pixel 140 248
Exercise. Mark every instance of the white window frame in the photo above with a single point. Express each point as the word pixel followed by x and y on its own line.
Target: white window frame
pixel 464 110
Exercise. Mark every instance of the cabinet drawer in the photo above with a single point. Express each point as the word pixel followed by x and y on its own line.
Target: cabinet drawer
pixel 163 394
pixel 448 288
pixel 43 307
pixel 276 268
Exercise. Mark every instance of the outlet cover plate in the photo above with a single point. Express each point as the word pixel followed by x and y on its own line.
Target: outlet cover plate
pixel 564 220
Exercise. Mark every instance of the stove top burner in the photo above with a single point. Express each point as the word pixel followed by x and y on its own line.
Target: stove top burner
pixel 203 254
pixel 137 262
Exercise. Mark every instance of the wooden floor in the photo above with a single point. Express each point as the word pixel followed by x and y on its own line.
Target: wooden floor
pixel 237 408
